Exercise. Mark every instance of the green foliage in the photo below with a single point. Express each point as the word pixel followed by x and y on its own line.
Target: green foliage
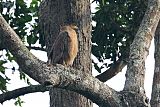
pixel 3 82
pixel 117 22
pixel 3 77
pixel 19 102
pixel 24 77
pixel 23 18
pixel 5 57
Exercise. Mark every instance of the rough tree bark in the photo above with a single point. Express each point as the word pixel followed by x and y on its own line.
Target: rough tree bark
pixel 56 13
pixel 155 98
pixel 139 49
pixel 58 76
pixel 82 82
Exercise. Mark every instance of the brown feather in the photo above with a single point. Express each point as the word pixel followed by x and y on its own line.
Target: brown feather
pixel 65 47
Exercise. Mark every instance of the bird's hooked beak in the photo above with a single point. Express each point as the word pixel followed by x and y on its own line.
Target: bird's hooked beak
pixel 74 27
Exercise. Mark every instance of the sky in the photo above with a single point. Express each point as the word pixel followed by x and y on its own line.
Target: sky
pixel 42 99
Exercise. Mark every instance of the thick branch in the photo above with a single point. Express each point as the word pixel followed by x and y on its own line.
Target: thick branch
pixel 22 91
pixel 140 47
pixel 111 72
pixel 155 98
pixel 57 76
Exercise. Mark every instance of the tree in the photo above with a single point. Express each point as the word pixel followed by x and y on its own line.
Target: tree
pixel 75 79
pixel 53 14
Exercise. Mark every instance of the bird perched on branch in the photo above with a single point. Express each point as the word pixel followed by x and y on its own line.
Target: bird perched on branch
pixel 65 48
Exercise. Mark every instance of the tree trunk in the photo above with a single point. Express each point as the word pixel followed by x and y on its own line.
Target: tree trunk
pixel 56 13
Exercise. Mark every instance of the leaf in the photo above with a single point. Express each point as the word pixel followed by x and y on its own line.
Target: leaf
pixel 96 67
pixel 22 76
pixel 19 102
pixel 10 57
pixel 2 69
pixel 31 39
pixel 2 62
pixel 3 83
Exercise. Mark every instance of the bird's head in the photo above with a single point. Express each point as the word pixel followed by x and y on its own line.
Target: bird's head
pixel 74 27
